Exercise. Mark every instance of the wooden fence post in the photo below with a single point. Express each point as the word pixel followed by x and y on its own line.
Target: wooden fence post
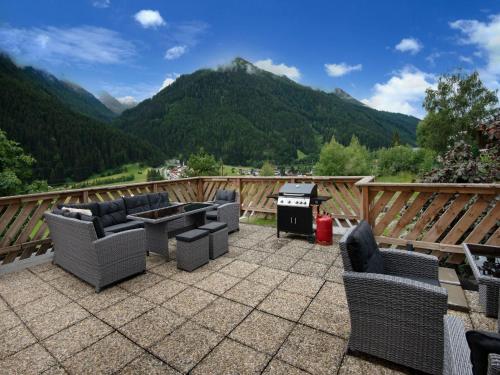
pixel 201 197
pixel 365 204
pixel 85 196
pixel 239 187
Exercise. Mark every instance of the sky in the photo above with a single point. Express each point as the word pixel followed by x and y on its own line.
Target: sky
pixel 384 53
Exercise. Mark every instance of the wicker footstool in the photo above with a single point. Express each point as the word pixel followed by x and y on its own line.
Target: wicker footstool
pixel 192 249
pixel 218 234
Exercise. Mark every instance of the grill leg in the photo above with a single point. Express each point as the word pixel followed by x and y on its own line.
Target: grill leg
pixel 278 234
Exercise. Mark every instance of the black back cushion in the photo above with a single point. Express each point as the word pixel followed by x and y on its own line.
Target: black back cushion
pixel 158 200
pixel 96 220
pixel 112 212
pixel 226 195
pixel 136 204
pixel 363 250
pixel 481 344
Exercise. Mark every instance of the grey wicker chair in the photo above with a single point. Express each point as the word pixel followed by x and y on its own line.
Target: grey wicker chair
pixel 226 212
pixel 99 262
pixel 396 315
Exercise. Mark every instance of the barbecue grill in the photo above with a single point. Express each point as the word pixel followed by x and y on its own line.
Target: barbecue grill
pixel 295 208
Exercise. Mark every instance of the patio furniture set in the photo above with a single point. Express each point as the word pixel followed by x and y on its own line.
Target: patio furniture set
pixel 104 242
pixel 398 310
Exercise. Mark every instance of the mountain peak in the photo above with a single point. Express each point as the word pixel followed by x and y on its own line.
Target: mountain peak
pixel 345 96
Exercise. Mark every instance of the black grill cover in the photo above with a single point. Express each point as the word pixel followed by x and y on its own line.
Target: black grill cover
pixel 306 190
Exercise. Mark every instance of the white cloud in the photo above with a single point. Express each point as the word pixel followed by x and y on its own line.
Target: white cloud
pixel 127 100
pixel 337 70
pixel 101 3
pixel 175 52
pixel 486 36
pixel 170 78
pixel 85 44
pixel 279 69
pixel 402 93
pixel 149 18
pixel 466 59
pixel 410 45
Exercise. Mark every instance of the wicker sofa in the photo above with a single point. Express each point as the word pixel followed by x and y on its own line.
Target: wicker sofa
pixel 227 209
pixel 397 315
pixel 98 261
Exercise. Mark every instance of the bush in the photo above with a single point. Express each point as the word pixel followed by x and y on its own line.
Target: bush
pixel 397 159
pixel 338 160
pixel 267 169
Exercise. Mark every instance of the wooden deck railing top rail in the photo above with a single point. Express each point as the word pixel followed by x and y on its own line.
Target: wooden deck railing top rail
pixel 437 217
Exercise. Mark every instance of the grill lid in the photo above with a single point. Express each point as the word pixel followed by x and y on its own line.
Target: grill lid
pixel 306 190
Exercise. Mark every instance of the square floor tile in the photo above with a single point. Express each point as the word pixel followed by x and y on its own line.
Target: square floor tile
pixel 285 304
pixel 189 302
pixel 319 256
pixel 248 292
pixel 147 364
pixel 52 274
pixel 230 357
pixel 268 276
pixel 482 322
pixel 308 268
pixel 356 365
pixel 96 302
pixel 253 256
pixel 312 350
pixel 291 250
pixel 186 346
pixel 335 274
pixel 193 277
pixel 46 325
pixel 72 287
pixel 154 260
pixel 271 245
pixel 262 331
pixel 32 360
pixel 218 283
pixel 151 327
pixel 279 261
pixel 246 242
pixel 15 339
pixel 20 294
pixel 277 367
pixel 55 370
pixel 166 269
pixel 106 356
pixel 140 282
pixel 222 315
pixel 41 306
pixel 8 320
pixel 124 311
pixel 301 284
pixel 239 268
pixel 330 318
pixel 234 252
pixel 66 343
pixel 162 291
pixel 333 294
pixel 217 264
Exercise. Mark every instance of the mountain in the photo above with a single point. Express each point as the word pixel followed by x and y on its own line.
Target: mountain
pixel 345 96
pixel 114 105
pixel 245 115
pixel 69 93
pixel 66 144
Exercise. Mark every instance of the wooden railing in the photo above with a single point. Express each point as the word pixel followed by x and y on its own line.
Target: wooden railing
pixel 435 217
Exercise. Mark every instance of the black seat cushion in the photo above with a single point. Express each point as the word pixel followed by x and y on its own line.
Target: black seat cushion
pixel 213 226
pixel 225 195
pixel 211 215
pixel 132 224
pixel 482 344
pixel 96 220
pixel 363 250
pixel 191 235
pixel 93 207
pixel 139 203
pixel 112 212
pixel 158 200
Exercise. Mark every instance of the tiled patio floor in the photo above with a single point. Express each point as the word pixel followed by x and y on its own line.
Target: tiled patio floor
pixel 268 306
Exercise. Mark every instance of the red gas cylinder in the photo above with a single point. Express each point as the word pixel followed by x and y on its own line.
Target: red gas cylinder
pixel 324 230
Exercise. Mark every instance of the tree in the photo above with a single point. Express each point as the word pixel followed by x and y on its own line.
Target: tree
pixel 154 175
pixel 397 159
pixel 267 169
pixel 396 141
pixel 457 106
pixel 15 169
pixel 338 160
pixel 202 164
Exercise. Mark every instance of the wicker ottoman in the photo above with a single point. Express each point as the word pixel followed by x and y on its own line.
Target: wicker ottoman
pixel 218 233
pixel 192 249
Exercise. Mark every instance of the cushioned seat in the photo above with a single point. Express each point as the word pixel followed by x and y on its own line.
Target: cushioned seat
pixel 132 224
pixel 192 235
pixel 211 215
pixel 158 200
pixel 112 212
pixel 213 226
pixel 136 204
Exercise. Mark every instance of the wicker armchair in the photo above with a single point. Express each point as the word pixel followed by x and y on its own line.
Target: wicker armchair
pixel 228 209
pixel 99 262
pixel 397 316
